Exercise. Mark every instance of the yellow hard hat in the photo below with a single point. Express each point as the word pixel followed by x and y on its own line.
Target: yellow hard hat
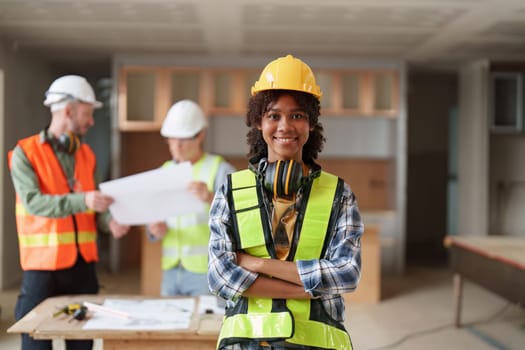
pixel 287 73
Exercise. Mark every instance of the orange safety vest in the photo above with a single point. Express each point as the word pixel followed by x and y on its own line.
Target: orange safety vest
pixel 51 243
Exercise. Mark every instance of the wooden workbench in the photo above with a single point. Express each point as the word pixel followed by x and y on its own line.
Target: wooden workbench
pixel 494 262
pixel 369 289
pixel 40 324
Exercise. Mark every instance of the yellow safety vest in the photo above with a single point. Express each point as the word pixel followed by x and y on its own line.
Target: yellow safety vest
pixel 299 322
pixel 187 238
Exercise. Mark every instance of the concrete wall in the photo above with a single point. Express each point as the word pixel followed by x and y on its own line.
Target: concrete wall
pixel 473 152
pixel 507 184
pixel 491 168
pixel 431 97
pixel 25 79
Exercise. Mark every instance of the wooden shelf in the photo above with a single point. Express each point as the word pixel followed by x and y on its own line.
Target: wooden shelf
pixel 145 93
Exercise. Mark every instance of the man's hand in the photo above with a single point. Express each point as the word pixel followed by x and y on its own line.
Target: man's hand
pixel 200 190
pixel 158 229
pixel 97 201
pixel 118 230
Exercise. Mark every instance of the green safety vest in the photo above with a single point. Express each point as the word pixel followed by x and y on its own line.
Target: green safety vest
pixel 295 323
pixel 186 240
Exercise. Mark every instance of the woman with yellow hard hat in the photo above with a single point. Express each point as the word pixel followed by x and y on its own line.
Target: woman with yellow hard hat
pixel 285 235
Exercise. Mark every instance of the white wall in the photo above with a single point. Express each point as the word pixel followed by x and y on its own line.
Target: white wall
pixel 491 169
pixel 346 137
pixel 473 150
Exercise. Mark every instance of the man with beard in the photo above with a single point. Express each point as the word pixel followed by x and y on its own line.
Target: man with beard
pixel 53 173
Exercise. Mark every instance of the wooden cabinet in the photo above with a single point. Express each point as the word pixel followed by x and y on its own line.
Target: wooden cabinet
pixel 359 93
pixel 145 93
pixel 139 102
pixel 230 93
pixel 359 111
pixel 385 92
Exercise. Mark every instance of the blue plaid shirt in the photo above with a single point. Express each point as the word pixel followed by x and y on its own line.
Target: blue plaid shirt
pixel 327 278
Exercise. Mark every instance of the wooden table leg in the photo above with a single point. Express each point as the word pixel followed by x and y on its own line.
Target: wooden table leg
pixel 458 298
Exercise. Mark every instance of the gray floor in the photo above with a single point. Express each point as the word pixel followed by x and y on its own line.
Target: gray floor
pixel 415 313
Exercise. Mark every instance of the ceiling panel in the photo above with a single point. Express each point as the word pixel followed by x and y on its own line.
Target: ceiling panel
pixel 415 30
pixel 508 28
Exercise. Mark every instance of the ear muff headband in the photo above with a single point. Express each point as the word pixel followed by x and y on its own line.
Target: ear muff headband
pixel 288 176
pixel 68 142
pixel 276 178
pixel 283 178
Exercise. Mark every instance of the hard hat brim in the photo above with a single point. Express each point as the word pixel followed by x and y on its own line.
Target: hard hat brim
pixel 96 104
pixel 165 132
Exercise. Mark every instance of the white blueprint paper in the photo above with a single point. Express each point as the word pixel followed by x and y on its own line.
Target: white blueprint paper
pixel 210 304
pixel 149 314
pixel 152 196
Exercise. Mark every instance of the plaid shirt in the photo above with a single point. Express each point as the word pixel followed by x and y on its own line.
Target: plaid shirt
pixel 337 272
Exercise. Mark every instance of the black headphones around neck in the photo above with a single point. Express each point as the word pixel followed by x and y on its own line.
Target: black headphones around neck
pixel 67 142
pixel 282 178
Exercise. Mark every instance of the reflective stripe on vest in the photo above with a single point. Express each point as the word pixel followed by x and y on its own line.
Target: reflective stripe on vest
pixel 51 243
pixel 187 238
pixel 53 239
pixel 292 322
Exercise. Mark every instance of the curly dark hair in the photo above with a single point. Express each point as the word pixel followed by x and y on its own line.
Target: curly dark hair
pixel 259 104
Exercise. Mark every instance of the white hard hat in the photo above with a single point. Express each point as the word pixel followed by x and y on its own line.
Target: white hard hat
pixel 184 120
pixel 71 87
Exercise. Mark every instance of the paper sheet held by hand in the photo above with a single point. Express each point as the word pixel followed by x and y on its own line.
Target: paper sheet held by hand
pixel 153 195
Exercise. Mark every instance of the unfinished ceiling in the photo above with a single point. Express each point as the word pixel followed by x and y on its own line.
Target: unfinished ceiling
pixel 424 31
